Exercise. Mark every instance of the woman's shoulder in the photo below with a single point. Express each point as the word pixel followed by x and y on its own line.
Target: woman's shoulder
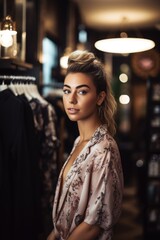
pixel 103 137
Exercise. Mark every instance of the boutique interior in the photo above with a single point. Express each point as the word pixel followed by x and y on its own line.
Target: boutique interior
pixel 33 63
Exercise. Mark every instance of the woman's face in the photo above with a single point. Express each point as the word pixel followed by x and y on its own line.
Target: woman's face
pixel 80 97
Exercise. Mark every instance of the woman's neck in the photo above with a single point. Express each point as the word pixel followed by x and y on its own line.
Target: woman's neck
pixel 86 130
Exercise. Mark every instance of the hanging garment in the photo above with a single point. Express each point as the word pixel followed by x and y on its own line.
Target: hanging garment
pixel 18 207
pixel 28 159
pixel 44 122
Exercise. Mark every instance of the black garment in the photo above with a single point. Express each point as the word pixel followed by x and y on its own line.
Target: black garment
pixel 18 211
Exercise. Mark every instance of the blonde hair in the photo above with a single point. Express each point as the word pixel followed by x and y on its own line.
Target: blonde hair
pixel 86 62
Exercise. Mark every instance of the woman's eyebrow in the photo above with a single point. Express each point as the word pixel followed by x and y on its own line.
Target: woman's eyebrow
pixel 79 86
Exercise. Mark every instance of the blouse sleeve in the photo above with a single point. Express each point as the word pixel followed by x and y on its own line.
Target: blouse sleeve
pixel 106 189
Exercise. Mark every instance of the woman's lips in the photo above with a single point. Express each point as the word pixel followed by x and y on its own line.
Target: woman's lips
pixel 73 110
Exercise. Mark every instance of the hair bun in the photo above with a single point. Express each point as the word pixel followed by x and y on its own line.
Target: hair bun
pixel 81 57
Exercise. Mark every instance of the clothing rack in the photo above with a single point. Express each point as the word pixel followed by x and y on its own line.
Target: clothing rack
pixel 16 67
pixel 29 150
pixel 8 79
pixel 17 75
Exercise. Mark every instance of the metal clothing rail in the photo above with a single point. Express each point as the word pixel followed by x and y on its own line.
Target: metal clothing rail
pixel 15 77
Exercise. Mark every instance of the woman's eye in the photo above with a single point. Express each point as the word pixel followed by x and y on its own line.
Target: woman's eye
pixel 66 91
pixel 82 92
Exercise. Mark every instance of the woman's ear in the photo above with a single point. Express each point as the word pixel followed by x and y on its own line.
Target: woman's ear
pixel 101 98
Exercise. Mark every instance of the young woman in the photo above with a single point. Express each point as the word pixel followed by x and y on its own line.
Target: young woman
pixel 89 191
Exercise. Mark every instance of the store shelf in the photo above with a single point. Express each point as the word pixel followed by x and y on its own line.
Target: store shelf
pixel 152 203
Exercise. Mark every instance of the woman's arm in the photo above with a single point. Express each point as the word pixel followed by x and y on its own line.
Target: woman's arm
pixel 85 231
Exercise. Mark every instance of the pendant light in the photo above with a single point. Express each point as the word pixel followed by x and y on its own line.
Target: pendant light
pixel 123 44
pixel 7 31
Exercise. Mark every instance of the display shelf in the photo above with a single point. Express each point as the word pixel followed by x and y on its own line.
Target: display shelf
pixel 152 162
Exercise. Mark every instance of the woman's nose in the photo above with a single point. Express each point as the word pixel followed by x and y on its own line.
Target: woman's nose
pixel 73 99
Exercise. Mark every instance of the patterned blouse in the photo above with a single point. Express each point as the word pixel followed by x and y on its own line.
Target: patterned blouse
pixel 93 189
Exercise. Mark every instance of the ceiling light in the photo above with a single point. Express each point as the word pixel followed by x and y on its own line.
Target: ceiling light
pixel 64 62
pixel 7 32
pixel 124 99
pixel 64 58
pixel 123 77
pixel 124 44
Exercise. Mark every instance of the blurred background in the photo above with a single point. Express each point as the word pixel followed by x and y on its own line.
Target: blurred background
pixel 46 32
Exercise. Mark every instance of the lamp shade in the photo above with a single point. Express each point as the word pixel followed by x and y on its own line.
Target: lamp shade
pixel 8 29
pixel 124 45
